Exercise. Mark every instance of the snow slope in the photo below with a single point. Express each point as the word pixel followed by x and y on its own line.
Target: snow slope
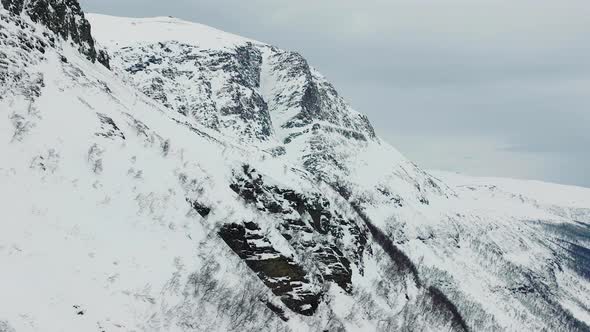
pixel 209 182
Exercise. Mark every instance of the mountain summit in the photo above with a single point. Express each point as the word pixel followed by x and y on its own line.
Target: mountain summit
pixel 162 175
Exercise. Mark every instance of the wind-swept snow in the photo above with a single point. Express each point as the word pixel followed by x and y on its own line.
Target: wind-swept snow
pixel 123 31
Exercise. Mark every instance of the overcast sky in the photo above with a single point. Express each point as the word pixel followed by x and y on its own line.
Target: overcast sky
pixel 484 87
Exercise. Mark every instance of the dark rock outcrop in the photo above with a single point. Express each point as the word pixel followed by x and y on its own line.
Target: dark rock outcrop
pixel 108 128
pixel 65 18
pixel 201 208
pixel 281 274
pixel 312 214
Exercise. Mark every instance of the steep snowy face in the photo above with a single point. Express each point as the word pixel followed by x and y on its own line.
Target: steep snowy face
pixel 299 96
pixel 166 56
pixel 209 87
pixel 213 81
pixel 260 95
pixel 214 183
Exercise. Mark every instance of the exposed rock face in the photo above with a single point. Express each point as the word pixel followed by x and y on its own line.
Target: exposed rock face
pixel 250 91
pixel 310 225
pixel 214 88
pixel 63 17
pixel 282 275
pixel 303 96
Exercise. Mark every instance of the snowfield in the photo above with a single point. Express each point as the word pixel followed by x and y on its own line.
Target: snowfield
pixel 201 181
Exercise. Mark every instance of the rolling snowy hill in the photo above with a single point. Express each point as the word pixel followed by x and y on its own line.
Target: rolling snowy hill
pixel 161 175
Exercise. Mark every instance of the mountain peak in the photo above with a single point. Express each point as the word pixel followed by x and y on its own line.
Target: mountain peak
pixel 228 83
pixel 117 32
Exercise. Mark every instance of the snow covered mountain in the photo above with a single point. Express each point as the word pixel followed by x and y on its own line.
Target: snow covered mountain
pixel 161 175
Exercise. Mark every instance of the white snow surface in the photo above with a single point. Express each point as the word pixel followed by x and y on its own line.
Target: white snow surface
pixel 123 31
